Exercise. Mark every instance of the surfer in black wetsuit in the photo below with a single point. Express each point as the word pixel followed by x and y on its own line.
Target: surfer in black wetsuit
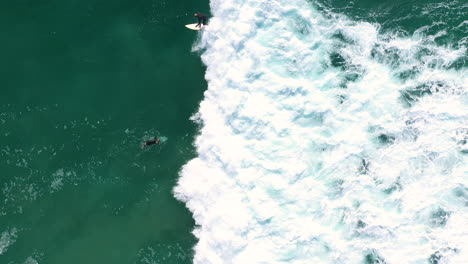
pixel 150 142
pixel 201 19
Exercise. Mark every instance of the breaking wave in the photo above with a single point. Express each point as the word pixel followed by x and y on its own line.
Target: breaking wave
pixel 324 140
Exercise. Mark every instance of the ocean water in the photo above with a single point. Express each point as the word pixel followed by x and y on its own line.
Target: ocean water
pixel 82 85
pixel 331 132
pixel 310 132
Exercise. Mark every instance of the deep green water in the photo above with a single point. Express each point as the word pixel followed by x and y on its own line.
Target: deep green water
pixel 82 84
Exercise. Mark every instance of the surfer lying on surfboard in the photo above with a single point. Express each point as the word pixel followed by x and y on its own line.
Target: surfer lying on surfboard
pixel 201 19
pixel 150 142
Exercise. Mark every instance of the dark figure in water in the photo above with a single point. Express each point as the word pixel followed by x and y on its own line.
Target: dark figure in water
pixel 150 142
pixel 201 19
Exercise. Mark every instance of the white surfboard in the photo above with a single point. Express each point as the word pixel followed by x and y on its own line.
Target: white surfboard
pixel 193 27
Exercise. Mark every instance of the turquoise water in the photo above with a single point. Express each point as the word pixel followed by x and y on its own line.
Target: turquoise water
pixel 325 132
pixel 83 84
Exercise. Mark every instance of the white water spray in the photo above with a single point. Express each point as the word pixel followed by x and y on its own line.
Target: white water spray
pixel 324 141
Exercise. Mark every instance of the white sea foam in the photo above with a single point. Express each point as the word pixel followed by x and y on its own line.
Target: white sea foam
pixel 7 238
pixel 324 141
pixel 31 260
